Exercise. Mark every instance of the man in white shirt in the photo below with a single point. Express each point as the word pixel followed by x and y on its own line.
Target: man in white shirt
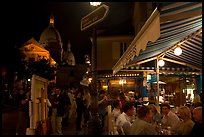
pixel 169 118
pixel 125 117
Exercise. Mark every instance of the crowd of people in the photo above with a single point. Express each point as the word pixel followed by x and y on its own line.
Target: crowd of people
pixel 130 115
pixel 149 119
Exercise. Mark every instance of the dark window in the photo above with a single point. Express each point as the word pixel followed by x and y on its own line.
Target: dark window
pixel 121 49
pixel 125 47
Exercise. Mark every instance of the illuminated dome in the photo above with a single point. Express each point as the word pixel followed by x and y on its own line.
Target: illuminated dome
pixel 68 56
pixel 51 40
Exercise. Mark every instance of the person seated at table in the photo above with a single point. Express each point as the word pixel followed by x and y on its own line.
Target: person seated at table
pixel 142 124
pixel 168 117
pixel 125 117
pixel 185 127
pixel 198 127
pixel 156 114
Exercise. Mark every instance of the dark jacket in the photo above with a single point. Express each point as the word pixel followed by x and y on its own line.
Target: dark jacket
pixel 197 130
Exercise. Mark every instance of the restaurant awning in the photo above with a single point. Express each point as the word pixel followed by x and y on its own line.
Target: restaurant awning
pixel 180 23
pixel 151 26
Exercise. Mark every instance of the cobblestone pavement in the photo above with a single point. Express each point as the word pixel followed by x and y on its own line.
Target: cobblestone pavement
pixel 70 129
pixel 9 122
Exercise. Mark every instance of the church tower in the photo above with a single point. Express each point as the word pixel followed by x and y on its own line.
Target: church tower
pixel 51 40
pixel 68 56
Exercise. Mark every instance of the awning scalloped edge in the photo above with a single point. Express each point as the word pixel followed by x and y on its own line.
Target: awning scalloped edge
pixel 149 32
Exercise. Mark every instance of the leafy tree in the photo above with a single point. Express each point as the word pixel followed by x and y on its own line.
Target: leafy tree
pixel 43 69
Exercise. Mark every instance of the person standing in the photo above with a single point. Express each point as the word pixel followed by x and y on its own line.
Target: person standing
pixel 123 99
pixel 72 101
pixel 151 97
pixel 23 113
pixel 102 104
pixel 58 109
pixel 87 103
pixel 79 109
pixel 196 97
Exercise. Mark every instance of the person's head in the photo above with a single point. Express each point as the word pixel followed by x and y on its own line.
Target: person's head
pixel 184 112
pixel 117 104
pixel 197 114
pixel 122 95
pixel 189 106
pixel 102 93
pixel 144 113
pixel 197 104
pixel 136 93
pixel 57 91
pixel 165 108
pixel 153 108
pixel 129 108
pixel 195 91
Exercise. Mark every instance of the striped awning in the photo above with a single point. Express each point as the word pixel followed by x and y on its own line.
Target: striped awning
pixel 180 24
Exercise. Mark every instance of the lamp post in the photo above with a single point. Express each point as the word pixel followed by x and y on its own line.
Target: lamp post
pixel 157 73
pixel 94 124
pixel 90 20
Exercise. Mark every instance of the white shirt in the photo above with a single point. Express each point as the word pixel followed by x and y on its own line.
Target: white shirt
pixel 171 119
pixel 116 112
pixel 71 97
pixel 122 118
pixel 141 127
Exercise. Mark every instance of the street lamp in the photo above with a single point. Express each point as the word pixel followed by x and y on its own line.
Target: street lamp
pixel 95 3
pixel 94 123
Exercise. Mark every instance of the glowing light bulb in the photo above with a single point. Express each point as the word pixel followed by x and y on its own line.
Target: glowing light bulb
pixel 177 51
pixel 95 3
pixel 161 62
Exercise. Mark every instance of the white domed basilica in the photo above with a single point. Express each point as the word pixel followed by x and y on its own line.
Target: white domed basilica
pixel 51 40
pixel 68 56
pixel 50 47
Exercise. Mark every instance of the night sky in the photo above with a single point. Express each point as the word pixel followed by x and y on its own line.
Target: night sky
pixel 24 20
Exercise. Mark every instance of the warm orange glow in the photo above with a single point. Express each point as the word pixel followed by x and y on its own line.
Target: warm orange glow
pixel 36 51
pixel 116 82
